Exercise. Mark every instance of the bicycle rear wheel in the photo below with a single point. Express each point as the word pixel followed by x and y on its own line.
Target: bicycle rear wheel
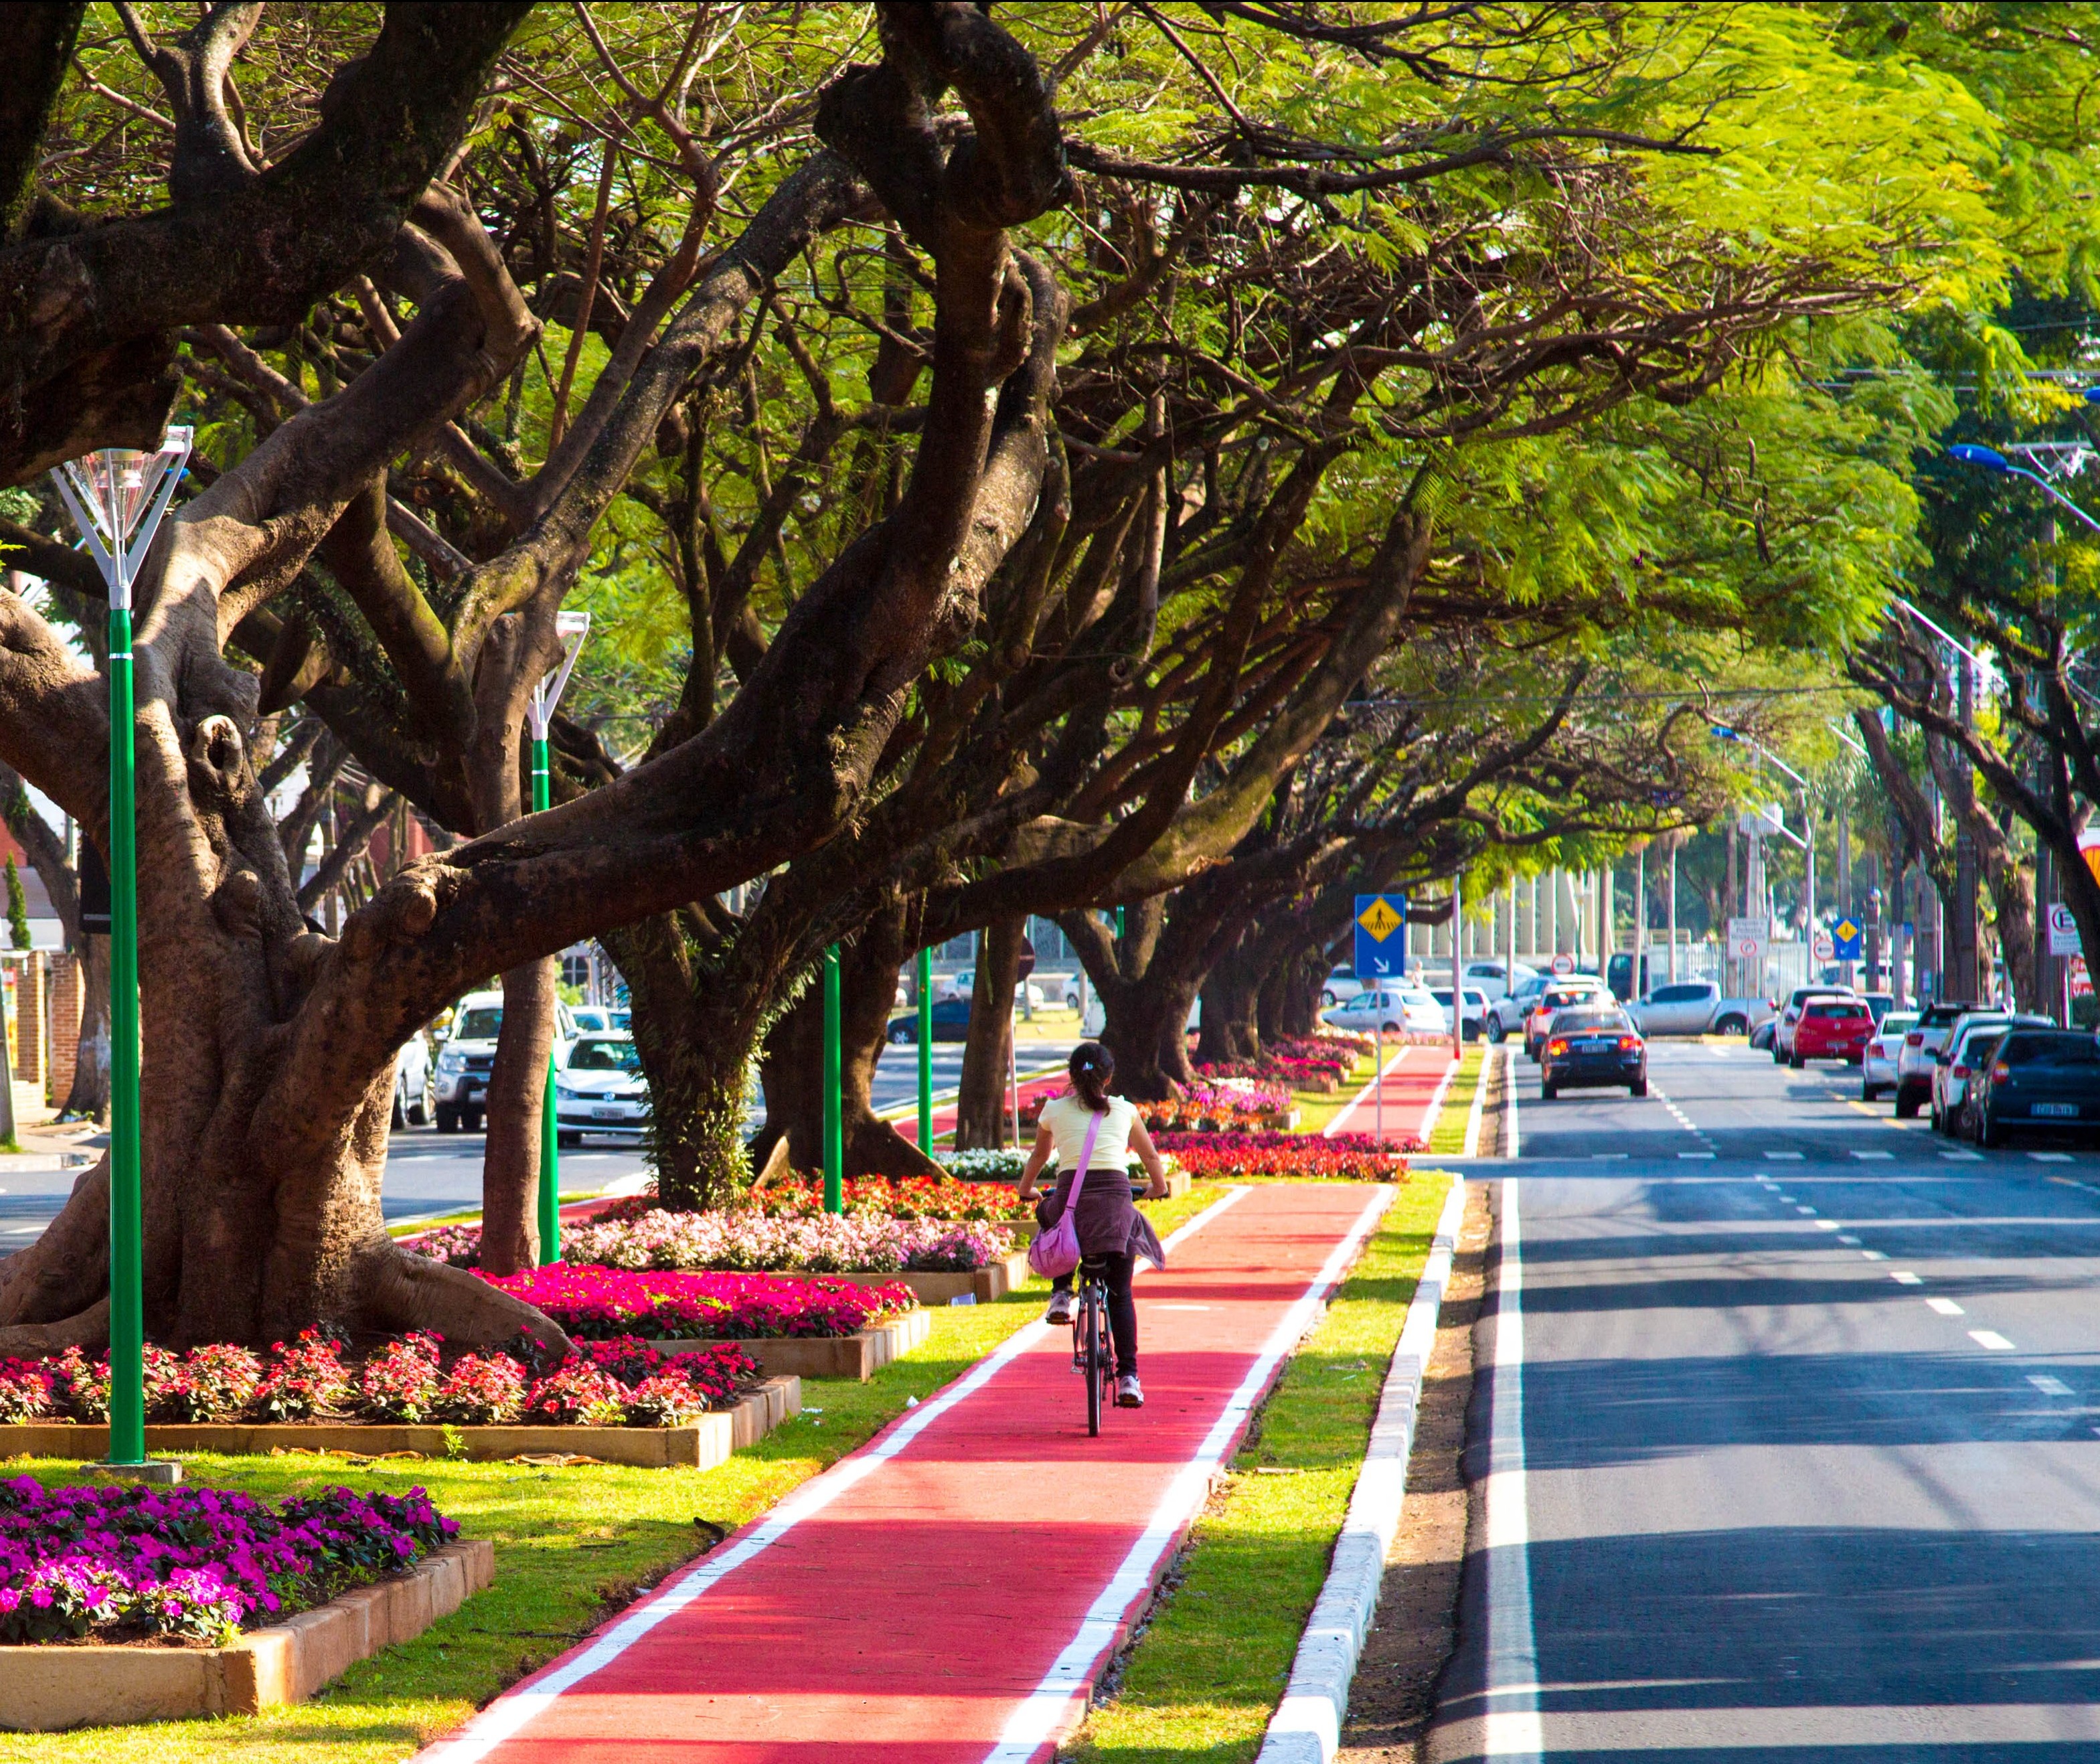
pixel 1096 1363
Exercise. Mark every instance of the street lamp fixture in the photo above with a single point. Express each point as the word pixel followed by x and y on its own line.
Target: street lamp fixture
pixel 571 628
pixel 116 496
pixel 1990 460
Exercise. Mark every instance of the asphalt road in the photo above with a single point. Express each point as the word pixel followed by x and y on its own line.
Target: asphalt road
pixel 1791 1435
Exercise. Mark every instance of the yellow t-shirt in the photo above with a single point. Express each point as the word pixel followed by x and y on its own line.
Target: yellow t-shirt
pixel 1068 1118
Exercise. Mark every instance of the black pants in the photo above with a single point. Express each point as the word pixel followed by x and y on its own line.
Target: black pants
pixel 1118 1272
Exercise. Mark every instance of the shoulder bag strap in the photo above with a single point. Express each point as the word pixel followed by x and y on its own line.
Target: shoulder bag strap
pixel 1086 1157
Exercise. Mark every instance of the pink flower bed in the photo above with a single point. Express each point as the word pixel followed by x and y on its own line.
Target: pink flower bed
pixel 594 1303
pixel 407 1380
pixel 190 1564
pixel 1346 1156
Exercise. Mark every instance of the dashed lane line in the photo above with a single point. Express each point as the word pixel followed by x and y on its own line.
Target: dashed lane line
pixel 1903 1277
pixel 2048 1386
pixel 1991 1339
pixel 1945 1306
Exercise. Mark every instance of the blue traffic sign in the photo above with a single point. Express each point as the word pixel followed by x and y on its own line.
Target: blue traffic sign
pixel 1845 938
pixel 1381 937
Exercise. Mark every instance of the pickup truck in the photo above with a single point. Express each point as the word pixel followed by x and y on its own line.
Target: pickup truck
pixel 1695 1008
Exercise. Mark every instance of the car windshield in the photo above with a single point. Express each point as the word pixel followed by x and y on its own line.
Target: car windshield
pixel 1897 1021
pixel 482 1025
pixel 1840 1008
pixel 2050 1050
pixel 1578 1022
pixel 606 1055
pixel 1940 1016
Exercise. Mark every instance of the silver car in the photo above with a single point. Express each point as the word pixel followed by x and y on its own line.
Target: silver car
pixel 1878 1070
pixel 1921 1043
pixel 1683 1008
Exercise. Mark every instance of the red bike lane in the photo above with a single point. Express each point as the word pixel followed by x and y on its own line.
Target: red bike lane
pixel 949 1591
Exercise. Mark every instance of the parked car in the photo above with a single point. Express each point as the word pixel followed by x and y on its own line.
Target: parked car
pixel 1393 1010
pixel 1914 1061
pixel 1565 993
pixel 951 1022
pixel 2037 1078
pixel 599 1088
pixel 460 1085
pixel 413 1098
pixel 1513 1007
pixel 600 1019
pixel 1340 986
pixel 1487 975
pixel 1880 1003
pixel 1593 1045
pixel 1790 1016
pixel 1832 1029
pixel 1478 1018
pixel 1877 1070
pixel 1968 1046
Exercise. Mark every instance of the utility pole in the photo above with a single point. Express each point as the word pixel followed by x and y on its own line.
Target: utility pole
pixel 1672 912
pixel 1457 972
pixel 1851 977
pixel 1640 923
pixel 1964 978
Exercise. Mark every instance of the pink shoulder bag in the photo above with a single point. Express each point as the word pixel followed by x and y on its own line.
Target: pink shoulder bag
pixel 1057 1251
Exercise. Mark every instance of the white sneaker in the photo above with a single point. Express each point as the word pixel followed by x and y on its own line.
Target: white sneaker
pixel 1129 1393
pixel 1060 1308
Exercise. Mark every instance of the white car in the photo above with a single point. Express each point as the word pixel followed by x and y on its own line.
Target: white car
pixel 1340 986
pixel 459 1086
pixel 1877 1070
pixel 413 1097
pixel 1480 1017
pixel 600 1019
pixel 599 1088
pixel 1393 1010
pixel 1488 976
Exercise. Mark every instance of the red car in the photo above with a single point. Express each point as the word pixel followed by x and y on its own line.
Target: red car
pixel 1833 1029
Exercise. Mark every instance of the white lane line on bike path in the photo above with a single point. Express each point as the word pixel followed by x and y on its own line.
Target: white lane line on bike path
pixel 1048 1710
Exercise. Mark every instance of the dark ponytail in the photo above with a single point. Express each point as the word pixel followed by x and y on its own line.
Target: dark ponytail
pixel 1093 1068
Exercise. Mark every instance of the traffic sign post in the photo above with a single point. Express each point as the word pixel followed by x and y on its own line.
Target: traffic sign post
pixel 2063 938
pixel 1845 939
pixel 1825 947
pixel 1564 964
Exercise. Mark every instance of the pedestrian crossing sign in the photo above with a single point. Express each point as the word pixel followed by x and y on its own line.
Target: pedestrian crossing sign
pixel 1845 935
pixel 1378 917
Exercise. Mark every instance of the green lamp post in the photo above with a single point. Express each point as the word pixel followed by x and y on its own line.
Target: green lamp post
pixel 835 1131
pixel 572 628
pixel 925 1003
pixel 116 496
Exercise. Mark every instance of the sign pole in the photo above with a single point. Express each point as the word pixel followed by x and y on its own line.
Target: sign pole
pixel 550 1136
pixel 834 1130
pixel 925 989
pixel 1458 969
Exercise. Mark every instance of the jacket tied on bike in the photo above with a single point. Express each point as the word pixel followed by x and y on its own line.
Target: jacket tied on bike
pixel 1109 1221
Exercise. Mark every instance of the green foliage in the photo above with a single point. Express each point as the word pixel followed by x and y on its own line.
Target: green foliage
pixel 18 908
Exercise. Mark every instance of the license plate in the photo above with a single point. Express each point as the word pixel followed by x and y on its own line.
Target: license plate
pixel 2056 1111
pixel 607 1114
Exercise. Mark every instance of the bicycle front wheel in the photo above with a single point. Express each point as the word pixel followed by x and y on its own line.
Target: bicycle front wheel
pixel 1096 1365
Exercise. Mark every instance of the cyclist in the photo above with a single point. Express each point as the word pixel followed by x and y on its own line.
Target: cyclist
pixel 1112 1231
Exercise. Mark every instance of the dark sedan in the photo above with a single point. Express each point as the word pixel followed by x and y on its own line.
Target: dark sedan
pixel 951 1022
pixel 1592 1050
pixel 2036 1078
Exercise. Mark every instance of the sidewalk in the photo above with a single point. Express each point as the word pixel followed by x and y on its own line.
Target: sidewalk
pixel 948 1594
pixel 1414 1080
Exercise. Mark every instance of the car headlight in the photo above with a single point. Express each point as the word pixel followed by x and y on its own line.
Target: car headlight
pixel 451 1063
pixel 567 1095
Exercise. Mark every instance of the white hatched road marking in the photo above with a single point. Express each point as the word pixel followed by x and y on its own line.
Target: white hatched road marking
pixel 1903 1277
pixel 1991 1339
pixel 1945 1306
pixel 2048 1386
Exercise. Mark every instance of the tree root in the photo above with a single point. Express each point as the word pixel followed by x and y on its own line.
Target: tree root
pixel 38 1341
pixel 399 1291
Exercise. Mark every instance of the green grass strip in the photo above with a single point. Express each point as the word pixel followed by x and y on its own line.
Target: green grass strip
pixel 1199 1686
pixel 1447 1134
pixel 568 1541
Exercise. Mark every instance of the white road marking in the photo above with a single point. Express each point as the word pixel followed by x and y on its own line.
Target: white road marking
pixel 1697 1157
pixel 1873 1154
pixel 1509 1105
pixel 1853 1241
pixel 1903 1277
pixel 1827 1225
pixel 1874 1255
pixel 1609 1158
pixel 2050 1157
pixel 1806 1212
pixel 1963 1158
pixel 1783 1158
pixel 1945 1306
pixel 2048 1386
pixel 1512 1727
pixel 1991 1339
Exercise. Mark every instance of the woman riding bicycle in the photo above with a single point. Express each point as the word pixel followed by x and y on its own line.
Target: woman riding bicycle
pixel 1112 1232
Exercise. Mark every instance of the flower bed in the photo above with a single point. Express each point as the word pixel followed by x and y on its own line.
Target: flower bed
pixel 192 1564
pixel 406 1380
pixel 1006 1166
pixel 1310 1063
pixel 594 1304
pixel 753 1241
pixel 1232 1106
pixel 802 1196
pixel 1346 1156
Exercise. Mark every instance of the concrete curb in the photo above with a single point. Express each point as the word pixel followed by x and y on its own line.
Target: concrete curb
pixel 46 1689
pixel 1307 1725
pixel 825 1356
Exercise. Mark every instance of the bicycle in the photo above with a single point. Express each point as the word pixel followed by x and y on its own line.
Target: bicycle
pixel 1090 1339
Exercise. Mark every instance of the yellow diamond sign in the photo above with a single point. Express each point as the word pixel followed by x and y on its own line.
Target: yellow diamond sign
pixel 1846 931
pixel 1380 918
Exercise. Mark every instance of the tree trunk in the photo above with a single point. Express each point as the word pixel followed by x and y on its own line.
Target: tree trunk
pixel 89 1098
pixel 1145 1028
pixel 980 1111
pixel 516 1094
pixel 1231 1028
pixel 792 1072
